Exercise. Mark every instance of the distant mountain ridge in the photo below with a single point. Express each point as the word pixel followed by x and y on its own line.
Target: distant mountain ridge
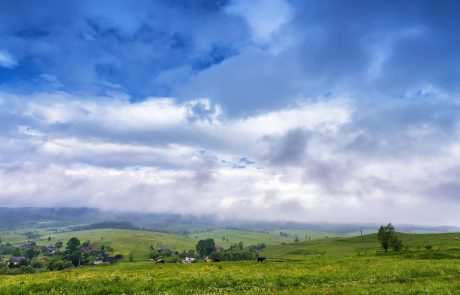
pixel 82 217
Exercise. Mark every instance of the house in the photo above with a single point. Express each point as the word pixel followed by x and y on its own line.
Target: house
pixel 113 259
pixel 29 245
pixel 15 260
pixel 85 249
pixel 218 248
pixel 97 262
pixel 94 246
pixel 188 260
pixel 51 249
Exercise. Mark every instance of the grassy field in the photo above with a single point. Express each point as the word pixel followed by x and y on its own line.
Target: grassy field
pixel 252 238
pixel 325 274
pixel 362 245
pixel 126 241
pixel 139 242
pixel 326 266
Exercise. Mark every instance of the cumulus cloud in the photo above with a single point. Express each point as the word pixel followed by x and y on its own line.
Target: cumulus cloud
pixel 311 161
pixel 305 110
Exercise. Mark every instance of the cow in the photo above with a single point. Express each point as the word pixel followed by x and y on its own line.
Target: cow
pixel 216 259
pixel 261 259
pixel 161 260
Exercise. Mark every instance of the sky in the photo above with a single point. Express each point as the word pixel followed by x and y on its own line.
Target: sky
pixel 331 111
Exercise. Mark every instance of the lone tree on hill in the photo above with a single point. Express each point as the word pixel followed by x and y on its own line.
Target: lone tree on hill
pixel 387 238
pixel 205 247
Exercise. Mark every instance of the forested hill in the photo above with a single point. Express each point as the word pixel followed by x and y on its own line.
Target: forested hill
pixel 81 218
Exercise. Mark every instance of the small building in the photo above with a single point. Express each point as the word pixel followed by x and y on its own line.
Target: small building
pixel 95 246
pixel 218 248
pixel 188 260
pixel 51 249
pixel 43 260
pixel 113 259
pixel 29 245
pixel 97 262
pixel 85 249
pixel 15 260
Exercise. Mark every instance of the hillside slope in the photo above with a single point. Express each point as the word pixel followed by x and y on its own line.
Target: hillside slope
pixel 361 245
pixel 139 242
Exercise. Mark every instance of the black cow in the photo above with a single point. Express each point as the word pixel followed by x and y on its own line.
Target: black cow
pixel 216 259
pixel 261 259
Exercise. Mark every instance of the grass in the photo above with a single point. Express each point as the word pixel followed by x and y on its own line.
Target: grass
pixel 361 245
pixel 326 274
pixel 139 242
pixel 251 238
pixel 326 266
pixel 126 241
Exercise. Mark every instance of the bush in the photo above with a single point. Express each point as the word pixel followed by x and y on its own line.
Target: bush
pixel 59 264
pixel 16 271
pixel 36 264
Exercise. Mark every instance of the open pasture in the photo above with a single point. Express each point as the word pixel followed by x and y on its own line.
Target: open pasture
pixel 317 274
pixel 333 265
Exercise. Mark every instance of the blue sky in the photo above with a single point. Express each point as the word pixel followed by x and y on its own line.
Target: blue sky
pixel 344 111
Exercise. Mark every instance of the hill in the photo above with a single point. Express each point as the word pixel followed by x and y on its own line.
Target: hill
pixel 138 242
pixel 360 245
pixel 324 266
pixel 80 218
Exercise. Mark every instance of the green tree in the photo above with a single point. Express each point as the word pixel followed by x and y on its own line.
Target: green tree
pixel 58 244
pixel 73 244
pixel 72 252
pixel 205 247
pixel 16 252
pixel 240 245
pixel 74 257
pixel 396 243
pixel 30 253
pixel 385 234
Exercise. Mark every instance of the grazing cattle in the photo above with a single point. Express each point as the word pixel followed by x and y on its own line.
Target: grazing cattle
pixel 216 259
pixel 162 261
pixel 261 259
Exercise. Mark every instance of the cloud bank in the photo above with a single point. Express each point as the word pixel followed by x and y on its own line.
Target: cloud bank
pixel 295 110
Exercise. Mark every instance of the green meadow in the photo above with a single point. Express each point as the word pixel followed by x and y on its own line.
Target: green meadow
pixel 321 275
pixel 139 242
pixel 429 264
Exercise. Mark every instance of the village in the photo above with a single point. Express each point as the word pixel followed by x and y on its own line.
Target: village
pixel 30 257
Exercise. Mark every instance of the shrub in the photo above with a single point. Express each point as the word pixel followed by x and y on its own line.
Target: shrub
pixel 36 264
pixel 59 264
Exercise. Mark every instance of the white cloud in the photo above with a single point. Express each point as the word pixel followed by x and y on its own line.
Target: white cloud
pixel 6 60
pixel 315 161
pixel 265 17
